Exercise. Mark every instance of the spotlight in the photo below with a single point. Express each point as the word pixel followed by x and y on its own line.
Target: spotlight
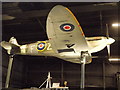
pixel 114 59
pixel 115 24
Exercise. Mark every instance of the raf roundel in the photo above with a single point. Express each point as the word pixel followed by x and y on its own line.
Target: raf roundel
pixel 67 27
pixel 41 46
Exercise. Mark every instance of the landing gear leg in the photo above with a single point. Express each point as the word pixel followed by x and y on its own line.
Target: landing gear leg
pixel 9 71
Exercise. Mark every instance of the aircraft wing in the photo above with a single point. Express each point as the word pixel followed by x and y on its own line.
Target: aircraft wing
pixel 64 32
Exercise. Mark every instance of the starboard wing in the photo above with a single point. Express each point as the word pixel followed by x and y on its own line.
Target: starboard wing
pixel 64 31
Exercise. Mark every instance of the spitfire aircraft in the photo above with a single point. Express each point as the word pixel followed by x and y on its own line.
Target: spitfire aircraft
pixel 66 39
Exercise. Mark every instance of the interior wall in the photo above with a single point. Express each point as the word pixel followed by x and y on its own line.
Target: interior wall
pixel 96 74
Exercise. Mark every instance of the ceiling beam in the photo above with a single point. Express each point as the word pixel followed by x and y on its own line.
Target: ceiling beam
pixel 80 9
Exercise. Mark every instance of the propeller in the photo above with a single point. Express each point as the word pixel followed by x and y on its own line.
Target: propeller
pixel 107 35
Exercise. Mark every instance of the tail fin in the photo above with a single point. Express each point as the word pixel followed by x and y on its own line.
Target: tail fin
pixel 13 41
pixel 12 46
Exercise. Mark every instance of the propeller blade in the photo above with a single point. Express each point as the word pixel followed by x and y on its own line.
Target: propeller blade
pixel 108 49
pixel 107 35
pixel 107 32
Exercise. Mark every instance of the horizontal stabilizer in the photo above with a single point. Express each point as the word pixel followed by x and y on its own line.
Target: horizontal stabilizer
pixel 12 48
pixel 6 45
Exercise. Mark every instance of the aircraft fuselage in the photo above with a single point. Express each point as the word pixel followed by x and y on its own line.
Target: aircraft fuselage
pixel 43 48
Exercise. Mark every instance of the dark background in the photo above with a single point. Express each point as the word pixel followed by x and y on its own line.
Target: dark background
pixel 29 25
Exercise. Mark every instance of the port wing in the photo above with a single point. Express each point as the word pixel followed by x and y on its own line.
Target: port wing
pixel 64 31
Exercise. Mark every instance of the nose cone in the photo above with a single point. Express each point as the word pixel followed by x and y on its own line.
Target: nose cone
pixel 111 40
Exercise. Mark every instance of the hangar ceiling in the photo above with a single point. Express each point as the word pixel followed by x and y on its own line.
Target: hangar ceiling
pixel 27 21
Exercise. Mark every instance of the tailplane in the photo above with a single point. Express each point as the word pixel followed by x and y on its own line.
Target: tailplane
pixel 12 46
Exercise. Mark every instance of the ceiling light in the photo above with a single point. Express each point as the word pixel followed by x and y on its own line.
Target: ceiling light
pixel 7 17
pixel 114 59
pixel 115 24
